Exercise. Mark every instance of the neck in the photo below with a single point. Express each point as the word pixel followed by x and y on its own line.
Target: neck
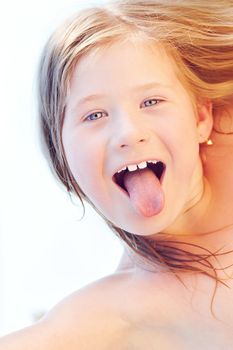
pixel 204 232
pixel 199 206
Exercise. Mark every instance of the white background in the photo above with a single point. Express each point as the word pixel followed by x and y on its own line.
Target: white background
pixel 45 251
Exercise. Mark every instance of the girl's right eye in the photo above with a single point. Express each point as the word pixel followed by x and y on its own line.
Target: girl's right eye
pixel 95 116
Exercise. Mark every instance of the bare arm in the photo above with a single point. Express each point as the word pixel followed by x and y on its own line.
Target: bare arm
pixel 83 321
pixel 36 337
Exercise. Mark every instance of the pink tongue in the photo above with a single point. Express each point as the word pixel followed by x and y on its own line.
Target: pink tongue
pixel 145 191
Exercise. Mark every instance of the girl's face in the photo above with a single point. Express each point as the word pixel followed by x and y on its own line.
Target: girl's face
pixel 126 106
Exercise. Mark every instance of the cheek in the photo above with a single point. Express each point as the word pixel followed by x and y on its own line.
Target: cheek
pixel 79 161
pixel 182 143
pixel 76 155
pixel 186 130
pixel 188 161
pixel 84 161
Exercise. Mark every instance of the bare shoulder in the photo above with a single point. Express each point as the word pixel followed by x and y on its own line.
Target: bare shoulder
pixel 92 312
pixel 87 319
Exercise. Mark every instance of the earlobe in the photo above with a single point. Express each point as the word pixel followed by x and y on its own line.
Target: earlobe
pixel 204 121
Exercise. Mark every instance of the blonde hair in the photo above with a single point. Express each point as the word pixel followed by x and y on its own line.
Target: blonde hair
pixel 199 37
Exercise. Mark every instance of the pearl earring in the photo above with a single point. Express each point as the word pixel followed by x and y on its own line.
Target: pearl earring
pixel 209 142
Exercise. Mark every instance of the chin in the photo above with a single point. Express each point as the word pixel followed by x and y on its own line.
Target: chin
pixel 150 226
pixel 146 227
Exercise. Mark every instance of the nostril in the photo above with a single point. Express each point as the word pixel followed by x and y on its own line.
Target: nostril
pixel 139 141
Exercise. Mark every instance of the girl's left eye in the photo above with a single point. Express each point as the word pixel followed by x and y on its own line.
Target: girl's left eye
pixel 95 116
pixel 150 102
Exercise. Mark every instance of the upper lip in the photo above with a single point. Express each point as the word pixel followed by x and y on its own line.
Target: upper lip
pixel 148 159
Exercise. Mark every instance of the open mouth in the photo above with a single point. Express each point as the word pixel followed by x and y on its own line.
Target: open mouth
pixel 158 169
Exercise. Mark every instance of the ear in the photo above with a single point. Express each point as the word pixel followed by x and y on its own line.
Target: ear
pixel 204 120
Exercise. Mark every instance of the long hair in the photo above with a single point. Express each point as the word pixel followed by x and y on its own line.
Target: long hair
pixel 198 35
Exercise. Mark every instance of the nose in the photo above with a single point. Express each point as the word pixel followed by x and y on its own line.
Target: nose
pixel 131 141
pixel 131 131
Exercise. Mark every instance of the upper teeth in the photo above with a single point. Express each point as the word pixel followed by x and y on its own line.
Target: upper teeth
pixel 133 167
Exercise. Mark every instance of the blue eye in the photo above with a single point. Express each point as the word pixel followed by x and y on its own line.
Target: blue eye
pixel 150 102
pixel 95 116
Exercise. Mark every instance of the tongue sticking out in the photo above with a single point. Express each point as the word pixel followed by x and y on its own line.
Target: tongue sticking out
pixel 145 191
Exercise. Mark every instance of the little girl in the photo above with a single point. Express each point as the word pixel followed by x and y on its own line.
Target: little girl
pixel 135 103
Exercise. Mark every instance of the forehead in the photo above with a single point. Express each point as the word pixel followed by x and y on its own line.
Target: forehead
pixel 131 53
pixel 123 65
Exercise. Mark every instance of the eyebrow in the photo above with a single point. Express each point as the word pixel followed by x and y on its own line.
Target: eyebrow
pixel 138 88
pixel 151 85
pixel 90 98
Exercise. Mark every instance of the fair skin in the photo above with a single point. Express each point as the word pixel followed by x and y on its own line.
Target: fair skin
pixel 134 308
pixel 113 140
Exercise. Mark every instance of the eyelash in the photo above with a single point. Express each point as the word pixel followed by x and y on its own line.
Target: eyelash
pixel 89 117
pixel 156 100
